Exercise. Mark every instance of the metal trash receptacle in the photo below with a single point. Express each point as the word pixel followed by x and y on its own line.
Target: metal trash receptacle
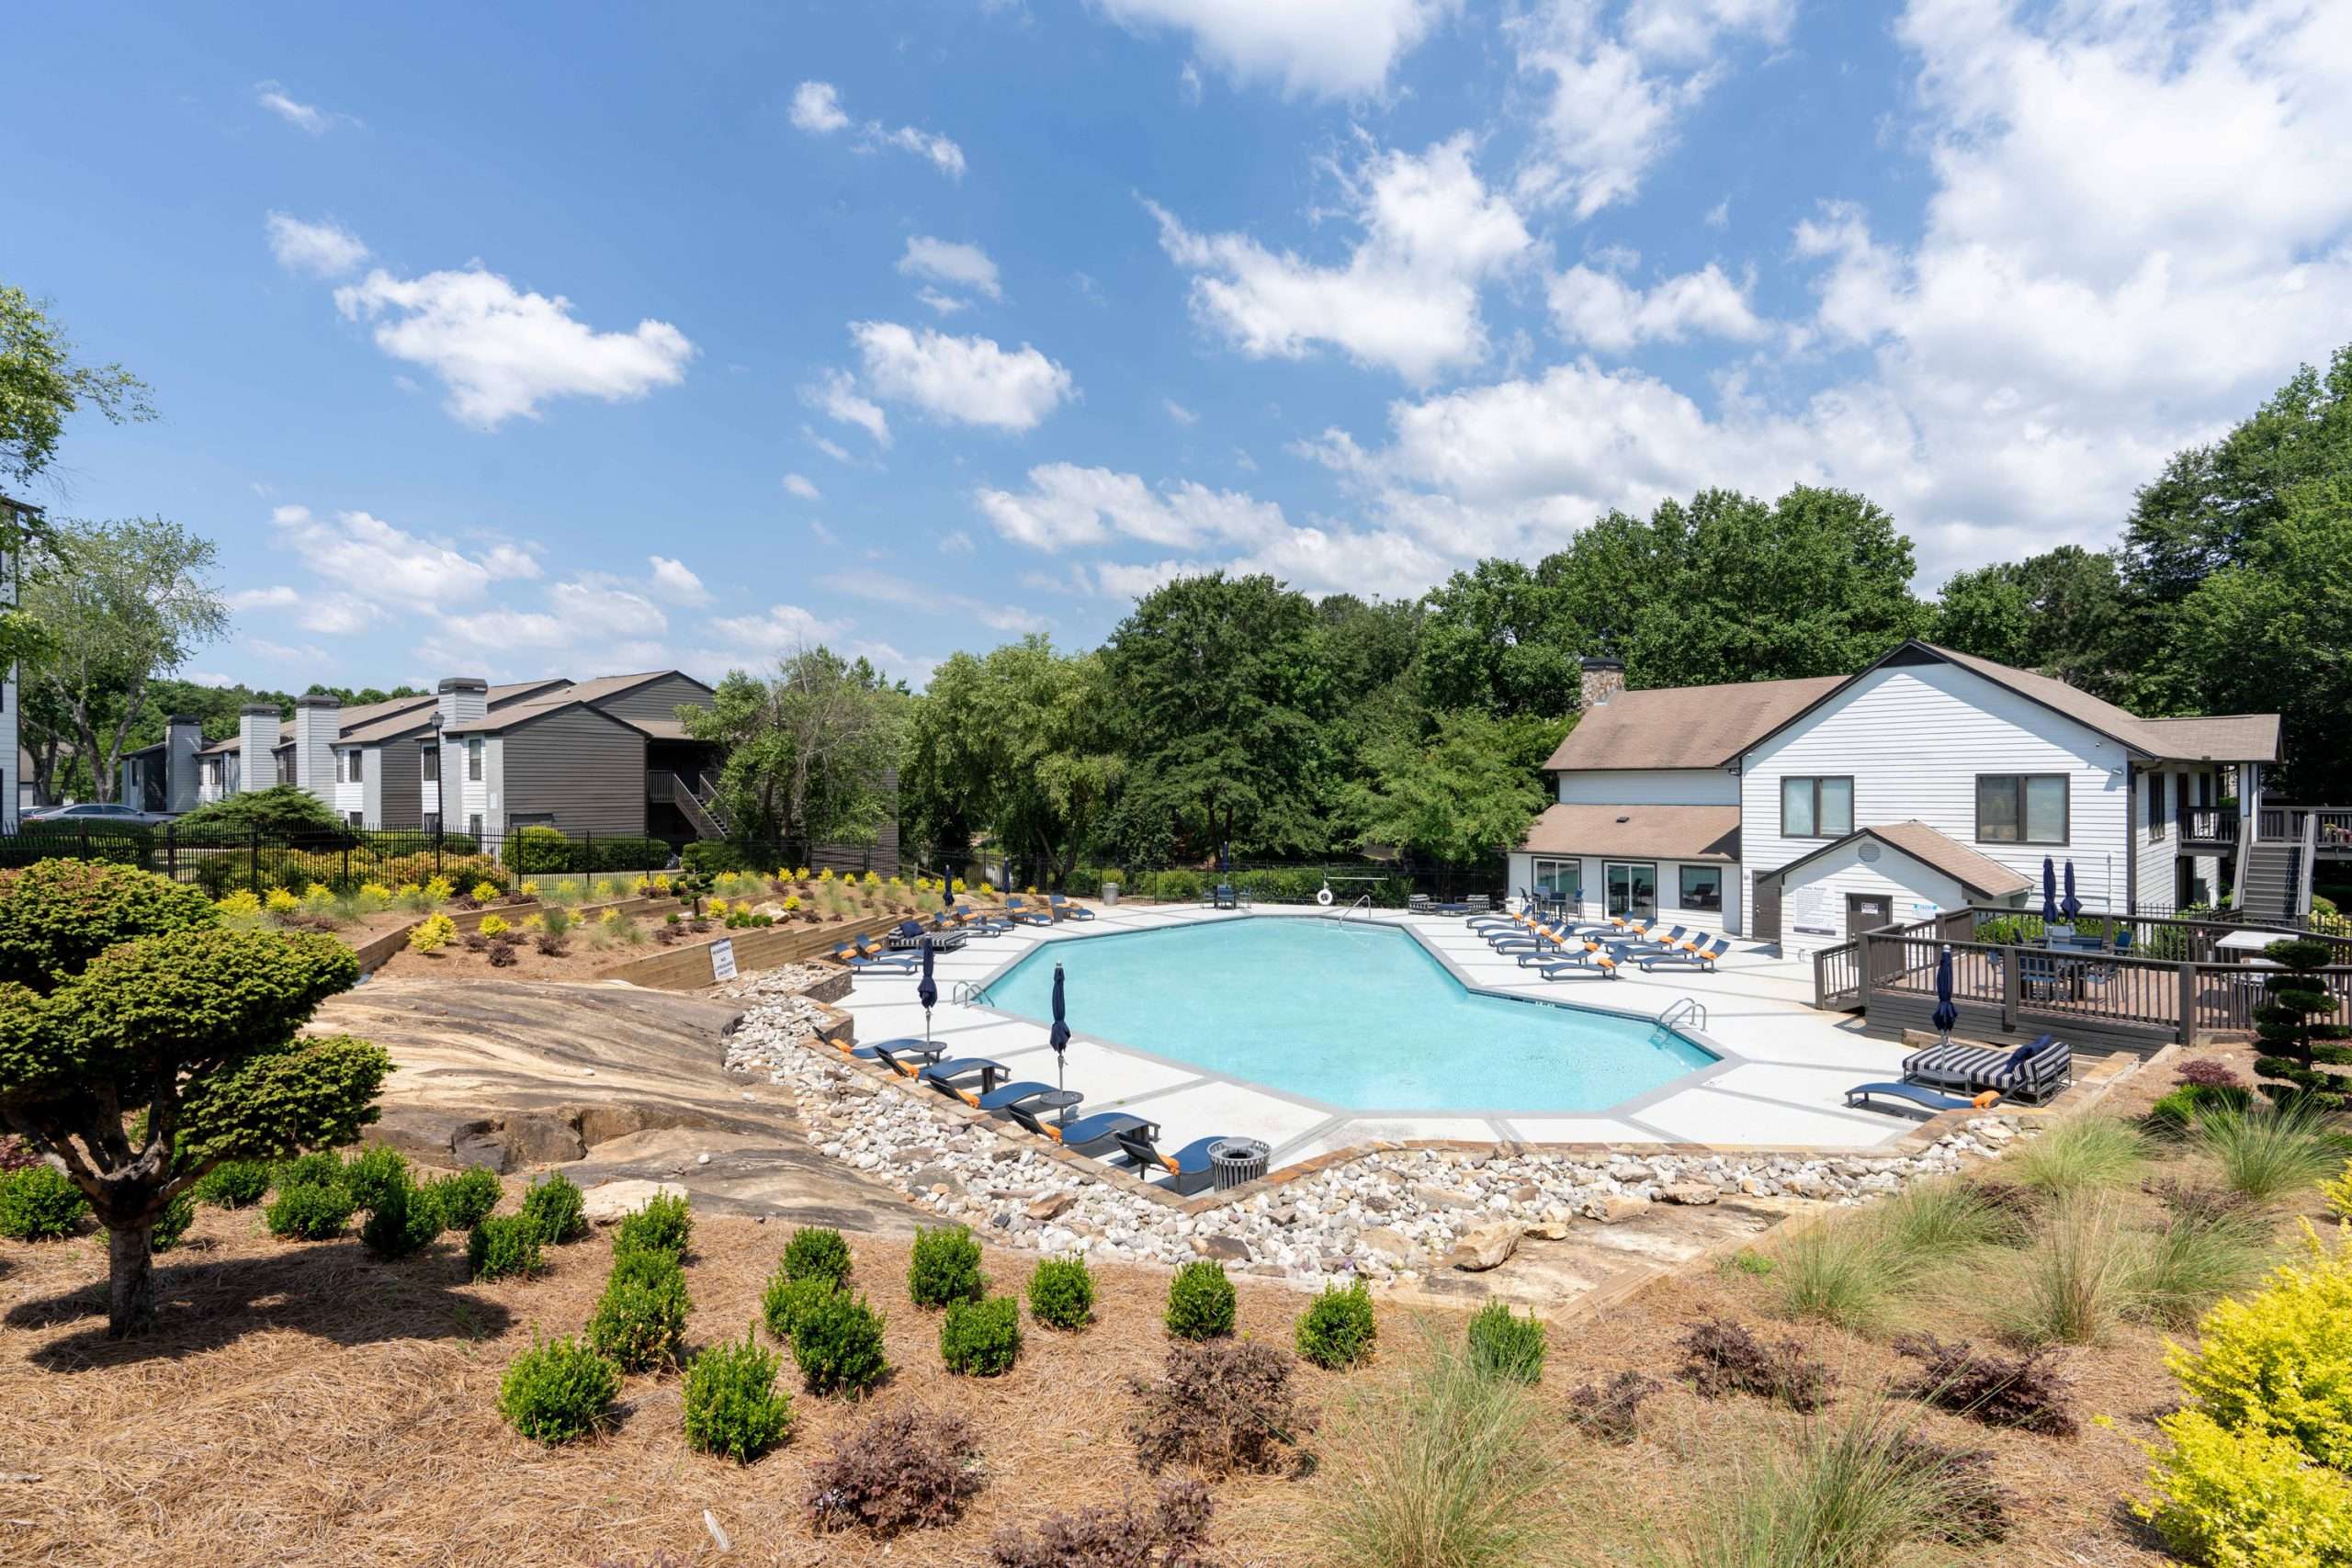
pixel 1110 893
pixel 1234 1161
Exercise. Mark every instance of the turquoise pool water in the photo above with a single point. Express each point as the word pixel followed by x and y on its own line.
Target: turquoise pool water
pixel 1358 1016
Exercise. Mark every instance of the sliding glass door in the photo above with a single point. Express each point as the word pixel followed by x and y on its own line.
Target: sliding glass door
pixel 1632 888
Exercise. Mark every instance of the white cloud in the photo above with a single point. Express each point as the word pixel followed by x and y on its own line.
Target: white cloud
pixel 1179 412
pixel 956 542
pixel 779 629
pixel 675 581
pixel 1068 505
pixel 1719 215
pixel 1615 94
pixel 1407 297
pixel 837 398
pixel 379 563
pixel 944 304
pixel 884 588
pixel 968 381
pixel 1602 310
pixel 502 352
pixel 307 653
pixel 951 262
pixel 281 597
pixel 830 449
pixel 596 610
pixel 337 614
pixel 210 678
pixel 799 485
pixel 315 250
pixel 301 116
pixel 1314 48
pixel 817 108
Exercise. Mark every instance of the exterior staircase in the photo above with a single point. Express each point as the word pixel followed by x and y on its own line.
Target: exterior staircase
pixel 695 801
pixel 2271 877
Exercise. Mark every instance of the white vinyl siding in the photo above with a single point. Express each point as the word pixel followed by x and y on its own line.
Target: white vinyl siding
pixel 1813 897
pixel 1914 737
pixel 1670 912
pixel 2157 856
pixel 1650 787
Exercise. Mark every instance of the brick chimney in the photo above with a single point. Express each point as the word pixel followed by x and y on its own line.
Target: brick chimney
pixel 317 720
pixel 1603 679
pixel 258 725
pixel 464 698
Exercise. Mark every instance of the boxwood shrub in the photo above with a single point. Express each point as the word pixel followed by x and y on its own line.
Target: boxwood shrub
pixel 980 1338
pixel 1200 1301
pixel 837 1341
pixel 309 1210
pixel 1337 1330
pixel 405 1220
pixel 945 1267
pixel 782 1302
pixel 1061 1292
pixel 40 1203
pixel 367 1175
pixel 1503 1346
pixel 556 1390
pixel 557 1208
pixel 503 1246
pixel 467 1198
pixel 664 1225
pixel 640 1320
pixel 233 1184
pixel 816 1253
pixel 733 1406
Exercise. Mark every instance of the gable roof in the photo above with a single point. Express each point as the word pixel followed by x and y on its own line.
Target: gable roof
pixel 521 714
pixel 1637 832
pixel 1977 875
pixel 605 687
pixel 1685 726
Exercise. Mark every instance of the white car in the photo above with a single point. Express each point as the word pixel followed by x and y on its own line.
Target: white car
pixel 96 814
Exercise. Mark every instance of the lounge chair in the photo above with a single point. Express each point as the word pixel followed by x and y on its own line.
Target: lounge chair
pixel 1594 962
pixel 1004 1097
pixel 857 955
pixel 1558 945
pixel 1673 938
pixel 1927 1099
pixel 1064 910
pixel 974 921
pixel 1700 951
pixel 1021 912
pixel 1417 903
pixel 1188 1168
pixel 2033 1073
pixel 1101 1127
pixel 942 1076
pixel 1633 926
pixel 909 936
pixel 905 1057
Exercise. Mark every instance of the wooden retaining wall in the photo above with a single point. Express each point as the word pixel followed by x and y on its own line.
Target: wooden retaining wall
pixel 756 947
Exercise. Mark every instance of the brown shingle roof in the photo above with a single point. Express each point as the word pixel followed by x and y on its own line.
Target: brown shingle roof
pixel 1639 832
pixel 1973 872
pixel 2233 737
pixel 2220 738
pixel 1685 726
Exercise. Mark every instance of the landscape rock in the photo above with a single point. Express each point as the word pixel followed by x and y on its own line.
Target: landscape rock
pixel 1231 1250
pixel 1614 1208
pixel 608 1202
pixel 1690 1192
pixel 1051 1206
pixel 1485 1248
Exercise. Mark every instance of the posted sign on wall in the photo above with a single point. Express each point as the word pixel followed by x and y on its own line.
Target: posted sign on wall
pixel 722 959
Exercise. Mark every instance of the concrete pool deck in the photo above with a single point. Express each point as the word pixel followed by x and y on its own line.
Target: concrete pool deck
pixel 1781 1081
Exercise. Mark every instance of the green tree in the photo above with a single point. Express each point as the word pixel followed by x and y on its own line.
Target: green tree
pixel 280 811
pixel 42 385
pixel 809 748
pixel 1221 690
pixel 142 1045
pixel 2062 613
pixel 1464 795
pixel 118 604
pixel 1497 637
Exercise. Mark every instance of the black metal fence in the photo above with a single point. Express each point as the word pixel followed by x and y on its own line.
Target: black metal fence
pixel 343 861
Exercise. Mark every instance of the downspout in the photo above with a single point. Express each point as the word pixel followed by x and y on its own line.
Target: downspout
pixel 2130 841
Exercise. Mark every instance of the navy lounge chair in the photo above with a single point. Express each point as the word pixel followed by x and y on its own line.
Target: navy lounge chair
pixel 1019 912
pixel 860 958
pixel 1594 962
pixel 895 1053
pixel 2033 1072
pixel 1064 910
pixel 1101 1127
pixel 1699 952
pixel 942 1076
pixel 1188 1168
pixel 1004 1097
pixel 1932 1100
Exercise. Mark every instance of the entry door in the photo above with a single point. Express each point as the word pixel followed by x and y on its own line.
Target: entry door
pixel 1764 918
pixel 1867 912
pixel 1632 888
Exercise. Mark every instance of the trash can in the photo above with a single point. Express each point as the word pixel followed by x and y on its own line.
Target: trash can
pixel 1233 1161
pixel 1110 893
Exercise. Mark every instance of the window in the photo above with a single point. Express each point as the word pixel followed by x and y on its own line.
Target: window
pixel 1632 888
pixel 473 758
pixel 1817 808
pixel 432 763
pixel 1559 881
pixel 2155 805
pixel 359 766
pixel 1702 887
pixel 473 826
pixel 355 818
pixel 2022 808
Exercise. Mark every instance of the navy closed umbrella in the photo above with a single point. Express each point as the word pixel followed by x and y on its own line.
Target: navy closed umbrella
pixel 2049 890
pixel 927 991
pixel 1059 1035
pixel 1946 1014
pixel 2070 906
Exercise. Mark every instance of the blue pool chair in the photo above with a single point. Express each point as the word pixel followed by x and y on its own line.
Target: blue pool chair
pixel 855 956
pixel 1064 910
pixel 943 1075
pixel 1188 1168
pixel 1919 1095
pixel 1004 1097
pixel 1594 962
pixel 896 1054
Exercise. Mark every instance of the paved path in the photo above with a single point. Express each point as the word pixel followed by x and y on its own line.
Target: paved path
pixel 1782 1079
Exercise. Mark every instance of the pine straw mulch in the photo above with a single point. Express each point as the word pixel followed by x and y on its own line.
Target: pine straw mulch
pixel 304 1404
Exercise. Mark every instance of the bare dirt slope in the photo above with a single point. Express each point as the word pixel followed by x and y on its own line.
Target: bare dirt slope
pixel 610 1081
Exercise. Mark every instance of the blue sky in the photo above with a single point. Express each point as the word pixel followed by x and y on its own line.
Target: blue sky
pixel 575 342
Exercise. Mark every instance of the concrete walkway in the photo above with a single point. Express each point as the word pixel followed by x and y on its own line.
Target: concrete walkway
pixel 1782 1079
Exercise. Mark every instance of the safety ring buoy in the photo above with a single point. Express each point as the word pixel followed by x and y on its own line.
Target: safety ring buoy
pixel 1323 896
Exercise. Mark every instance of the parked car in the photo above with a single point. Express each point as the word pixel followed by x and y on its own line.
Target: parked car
pixel 98 813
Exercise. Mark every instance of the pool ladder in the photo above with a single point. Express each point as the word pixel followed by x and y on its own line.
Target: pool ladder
pixel 1364 902
pixel 1683 1009
pixel 968 991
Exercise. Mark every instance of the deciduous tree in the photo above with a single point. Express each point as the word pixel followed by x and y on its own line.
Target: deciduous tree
pixel 810 748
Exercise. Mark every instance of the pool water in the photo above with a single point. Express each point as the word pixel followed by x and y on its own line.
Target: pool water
pixel 1354 1015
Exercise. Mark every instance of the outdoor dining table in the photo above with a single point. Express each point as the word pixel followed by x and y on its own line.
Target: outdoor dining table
pixel 2247 943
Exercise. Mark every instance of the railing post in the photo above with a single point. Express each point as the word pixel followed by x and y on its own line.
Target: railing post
pixel 2187 1003
pixel 2012 985
pixel 252 863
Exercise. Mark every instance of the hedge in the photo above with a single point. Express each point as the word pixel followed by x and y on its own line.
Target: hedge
pixel 1274 885
pixel 540 850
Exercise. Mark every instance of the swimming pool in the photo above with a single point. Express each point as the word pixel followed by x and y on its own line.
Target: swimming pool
pixel 1353 1015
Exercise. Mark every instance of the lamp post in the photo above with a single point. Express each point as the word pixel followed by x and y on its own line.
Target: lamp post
pixel 440 774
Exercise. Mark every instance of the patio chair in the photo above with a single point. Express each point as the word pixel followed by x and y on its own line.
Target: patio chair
pixel 857 956
pixel 1098 1128
pixel 2034 1072
pixel 1004 1097
pixel 1223 897
pixel 1063 909
pixel 905 1057
pixel 1479 903
pixel 1188 1168
pixel 943 1075
pixel 1417 903
pixel 1021 912
pixel 1594 962
pixel 909 936
pixel 2038 977
pixel 1699 952
pixel 1927 1099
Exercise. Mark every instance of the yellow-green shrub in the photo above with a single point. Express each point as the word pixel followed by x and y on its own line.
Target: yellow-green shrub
pixel 431 933
pixel 2281 1361
pixel 239 904
pixel 281 902
pixel 2337 1193
pixel 2246 1498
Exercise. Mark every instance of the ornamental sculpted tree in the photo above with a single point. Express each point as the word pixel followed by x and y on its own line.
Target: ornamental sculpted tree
pixel 121 994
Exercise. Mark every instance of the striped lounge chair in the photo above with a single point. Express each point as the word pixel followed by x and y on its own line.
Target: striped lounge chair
pixel 2033 1073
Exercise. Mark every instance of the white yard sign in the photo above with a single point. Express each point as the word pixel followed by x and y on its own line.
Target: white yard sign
pixel 722 959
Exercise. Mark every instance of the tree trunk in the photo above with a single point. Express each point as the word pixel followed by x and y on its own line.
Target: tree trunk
pixel 130 1279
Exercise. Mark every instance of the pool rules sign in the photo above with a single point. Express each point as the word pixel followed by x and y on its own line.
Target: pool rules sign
pixel 722 959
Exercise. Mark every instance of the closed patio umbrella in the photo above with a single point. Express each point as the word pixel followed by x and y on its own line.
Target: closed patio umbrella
pixel 927 991
pixel 2049 890
pixel 2070 906
pixel 1059 1035
pixel 1946 1014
